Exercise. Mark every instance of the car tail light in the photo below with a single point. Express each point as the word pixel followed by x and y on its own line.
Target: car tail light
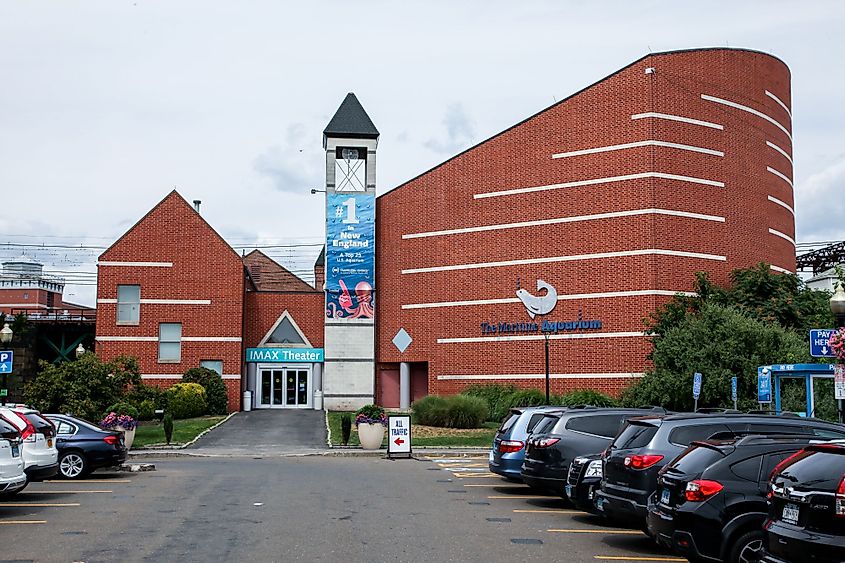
pixel 702 489
pixel 111 440
pixel 510 446
pixel 787 462
pixel 642 461
pixel 840 498
pixel 546 442
pixel 28 433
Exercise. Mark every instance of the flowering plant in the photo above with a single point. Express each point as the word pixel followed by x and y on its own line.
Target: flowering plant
pixel 113 420
pixel 837 343
pixel 370 414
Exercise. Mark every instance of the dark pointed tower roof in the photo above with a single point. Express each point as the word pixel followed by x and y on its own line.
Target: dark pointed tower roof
pixel 350 120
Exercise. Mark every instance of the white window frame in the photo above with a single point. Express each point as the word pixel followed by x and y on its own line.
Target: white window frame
pixel 137 317
pixel 169 340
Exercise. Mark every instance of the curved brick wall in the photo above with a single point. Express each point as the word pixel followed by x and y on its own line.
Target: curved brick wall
pixel 616 196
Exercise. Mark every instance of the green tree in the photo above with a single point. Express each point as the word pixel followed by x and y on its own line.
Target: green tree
pixel 215 389
pixel 85 387
pixel 720 342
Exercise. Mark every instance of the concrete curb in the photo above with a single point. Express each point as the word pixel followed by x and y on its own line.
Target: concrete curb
pixel 334 452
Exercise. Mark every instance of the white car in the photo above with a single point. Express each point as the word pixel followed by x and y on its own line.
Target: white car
pixel 12 477
pixel 40 456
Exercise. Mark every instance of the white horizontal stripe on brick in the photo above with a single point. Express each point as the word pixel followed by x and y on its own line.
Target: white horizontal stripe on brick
pixel 779 269
pixel 783 236
pixel 559 220
pixel 780 175
pixel 127 338
pixel 155 338
pixel 597 256
pixel 636 144
pixel 572 296
pixel 752 111
pixel 656 115
pixel 105 301
pixel 163 301
pixel 523 337
pixel 130 264
pixel 179 376
pixel 25 305
pixel 781 151
pixel 780 103
pixel 606 180
pixel 521 376
pixel 782 204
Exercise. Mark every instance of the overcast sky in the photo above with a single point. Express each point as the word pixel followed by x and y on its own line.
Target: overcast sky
pixel 106 105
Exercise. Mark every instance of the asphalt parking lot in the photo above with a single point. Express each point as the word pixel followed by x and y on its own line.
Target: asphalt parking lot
pixel 306 509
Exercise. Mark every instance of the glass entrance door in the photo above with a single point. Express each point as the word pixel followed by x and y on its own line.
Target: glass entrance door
pixel 284 387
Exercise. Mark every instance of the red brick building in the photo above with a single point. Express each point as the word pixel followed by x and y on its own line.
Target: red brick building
pixel 597 209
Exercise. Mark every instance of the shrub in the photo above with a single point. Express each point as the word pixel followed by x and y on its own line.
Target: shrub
pixel 168 427
pixel 84 387
pixel 345 428
pixel 147 410
pixel 215 389
pixel 495 395
pixel 122 408
pixel 586 397
pixel 457 411
pixel 186 400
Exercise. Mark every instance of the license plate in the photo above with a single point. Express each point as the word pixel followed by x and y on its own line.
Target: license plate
pixel 569 491
pixel 49 442
pixel 491 455
pixel 16 451
pixel 600 504
pixel 790 513
pixel 664 496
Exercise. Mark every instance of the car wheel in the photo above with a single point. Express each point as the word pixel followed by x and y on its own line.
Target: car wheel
pixel 72 465
pixel 748 548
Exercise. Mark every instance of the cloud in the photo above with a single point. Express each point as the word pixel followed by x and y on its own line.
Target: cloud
pixel 290 167
pixel 460 131
pixel 820 204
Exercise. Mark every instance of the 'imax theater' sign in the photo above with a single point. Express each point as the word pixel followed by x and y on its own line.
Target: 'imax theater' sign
pixel 539 305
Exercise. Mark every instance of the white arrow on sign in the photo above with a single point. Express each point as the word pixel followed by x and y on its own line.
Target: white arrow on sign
pixel 4 368
pixel 824 350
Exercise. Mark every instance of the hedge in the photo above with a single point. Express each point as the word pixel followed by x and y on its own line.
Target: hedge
pixel 456 411
pixel 185 400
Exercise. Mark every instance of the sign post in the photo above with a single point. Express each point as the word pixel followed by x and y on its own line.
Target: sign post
pixel 764 386
pixel 734 394
pixel 696 388
pixel 399 435
pixel 6 362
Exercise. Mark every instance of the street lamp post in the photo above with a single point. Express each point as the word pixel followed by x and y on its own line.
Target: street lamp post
pixel 5 337
pixel 837 307
pixel 546 335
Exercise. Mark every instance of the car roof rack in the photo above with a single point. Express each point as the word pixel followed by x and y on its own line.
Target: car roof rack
pixel 733 434
pixel 717 410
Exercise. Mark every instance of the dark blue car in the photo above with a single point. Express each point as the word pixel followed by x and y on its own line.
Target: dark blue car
pixel 83 447
pixel 508 450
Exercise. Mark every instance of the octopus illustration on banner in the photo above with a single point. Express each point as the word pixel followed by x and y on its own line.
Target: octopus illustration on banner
pixel 345 305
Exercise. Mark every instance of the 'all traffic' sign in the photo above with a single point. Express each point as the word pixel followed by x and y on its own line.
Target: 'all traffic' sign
pixel 399 435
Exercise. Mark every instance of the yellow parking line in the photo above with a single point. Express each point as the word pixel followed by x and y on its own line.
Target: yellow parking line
pixel 63 492
pixel 582 531
pixel 480 475
pixel 549 510
pixel 523 497
pixel 500 486
pixel 37 504
pixel 10 522
pixel 622 558
pixel 90 481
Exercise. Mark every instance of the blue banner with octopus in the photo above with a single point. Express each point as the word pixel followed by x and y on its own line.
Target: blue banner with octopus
pixel 350 255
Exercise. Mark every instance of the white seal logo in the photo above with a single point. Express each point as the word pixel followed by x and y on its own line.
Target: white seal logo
pixel 538 305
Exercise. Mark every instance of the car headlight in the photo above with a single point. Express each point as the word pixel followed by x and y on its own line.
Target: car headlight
pixel 594 469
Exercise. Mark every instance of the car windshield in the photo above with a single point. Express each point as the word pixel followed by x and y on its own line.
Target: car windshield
pixel 696 459
pixel 509 421
pixel 41 424
pixel 546 424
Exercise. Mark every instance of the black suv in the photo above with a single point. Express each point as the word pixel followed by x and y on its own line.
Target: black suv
pixel 711 500
pixel 807 509
pixel 646 444
pixel 582 482
pixel 577 431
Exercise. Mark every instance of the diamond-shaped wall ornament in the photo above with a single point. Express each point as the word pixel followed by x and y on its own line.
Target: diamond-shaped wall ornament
pixel 402 340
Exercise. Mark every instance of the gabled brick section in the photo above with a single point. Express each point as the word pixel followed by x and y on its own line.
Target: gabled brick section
pixel 268 275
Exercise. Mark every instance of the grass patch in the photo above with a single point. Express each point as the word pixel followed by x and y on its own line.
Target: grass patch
pixel 184 430
pixel 422 436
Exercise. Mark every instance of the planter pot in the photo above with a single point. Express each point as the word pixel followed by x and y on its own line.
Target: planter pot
pixel 370 435
pixel 128 436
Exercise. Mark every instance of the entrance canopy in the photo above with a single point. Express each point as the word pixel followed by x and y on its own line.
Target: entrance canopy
pixel 801 388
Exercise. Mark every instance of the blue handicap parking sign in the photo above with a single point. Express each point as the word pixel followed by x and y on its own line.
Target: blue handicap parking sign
pixel 733 388
pixel 696 385
pixel 6 358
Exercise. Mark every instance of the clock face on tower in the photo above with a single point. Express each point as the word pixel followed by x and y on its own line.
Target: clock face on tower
pixel 350 170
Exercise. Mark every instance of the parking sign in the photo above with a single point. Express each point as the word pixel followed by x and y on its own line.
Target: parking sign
pixel 764 386
pixel 733 389
pixel 6 361
pixel 696 386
